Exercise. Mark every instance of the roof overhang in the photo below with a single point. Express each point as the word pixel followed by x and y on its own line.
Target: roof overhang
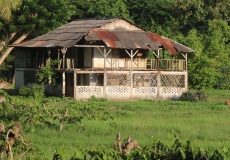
pixel 89 30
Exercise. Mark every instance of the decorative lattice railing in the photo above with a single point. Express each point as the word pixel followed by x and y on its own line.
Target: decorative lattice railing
pixel 143 86
pixel 172 80
pixel 144 80
pixel 118 79
pixel 85 92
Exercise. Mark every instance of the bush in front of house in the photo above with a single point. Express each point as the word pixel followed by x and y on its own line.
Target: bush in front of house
pixel 34 90
pixel 193 96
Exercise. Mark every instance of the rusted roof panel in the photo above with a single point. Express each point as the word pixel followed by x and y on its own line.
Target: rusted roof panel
pixel 123 39
pixel 119 39
pixel 135 39
pixel 166 43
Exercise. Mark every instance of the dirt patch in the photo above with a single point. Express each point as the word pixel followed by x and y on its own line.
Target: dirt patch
pixel 4 85
pixel 227 102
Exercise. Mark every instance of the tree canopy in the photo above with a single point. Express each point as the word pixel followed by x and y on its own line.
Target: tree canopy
pixel 6 7
pixel 203 25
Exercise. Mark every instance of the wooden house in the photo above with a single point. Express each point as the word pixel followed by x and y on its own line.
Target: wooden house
pixel 105 58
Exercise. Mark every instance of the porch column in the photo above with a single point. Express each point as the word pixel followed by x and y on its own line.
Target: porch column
pixel 63 84
pixel 37 60
pixel 105 54
pixel 74 84
pixel 186 68
pixel 131 76
pixel 37 65
pixel 186 60
pixel 48 63
pixel 43 57
pixel 59 62
pixel 105 76
pixel 63 50
pixel 186 81
pixel 131 54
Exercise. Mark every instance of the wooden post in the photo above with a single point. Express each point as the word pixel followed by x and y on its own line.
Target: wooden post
pixel 37 60
pixel 48 63
pixel 186 77
pixel 131 76
pixel 131 54
pixel 43 56
pixel 59 64
pixel 186 81
pixel 105 54
pixel 186 62
pixel 105 76
pixel 64 50
pixel 186 71
pixel 63 84
pixel 74 84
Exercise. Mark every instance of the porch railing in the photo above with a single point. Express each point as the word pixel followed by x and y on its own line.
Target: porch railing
pixel 136 64
pixel 166 64
pixel 149 64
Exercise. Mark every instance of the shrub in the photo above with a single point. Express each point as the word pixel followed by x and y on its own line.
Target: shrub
pixel 34 90
pixel 95 99
pixel 193 96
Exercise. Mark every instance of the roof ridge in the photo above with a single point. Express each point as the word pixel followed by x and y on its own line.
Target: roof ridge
pixel 97 18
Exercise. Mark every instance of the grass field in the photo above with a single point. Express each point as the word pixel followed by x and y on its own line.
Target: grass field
pixel 204 123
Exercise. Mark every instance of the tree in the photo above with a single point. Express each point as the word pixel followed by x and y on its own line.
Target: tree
pixel 200 70
pixel 217 47
pixel 196 14
pixel 32 19
pixel 101 9
pixel 6 7
pixel 153 15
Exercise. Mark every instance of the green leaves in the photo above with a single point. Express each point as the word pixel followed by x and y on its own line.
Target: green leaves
pixel 201 25
pixel 178 151
pixel 6 7
pixel 39 17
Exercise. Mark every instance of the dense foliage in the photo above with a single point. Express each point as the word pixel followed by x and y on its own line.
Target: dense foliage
pixel 6 8
pixel 201 25
pixel 177 150
pixel 94 121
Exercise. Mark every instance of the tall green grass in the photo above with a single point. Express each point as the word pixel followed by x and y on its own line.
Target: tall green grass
pixel 204 123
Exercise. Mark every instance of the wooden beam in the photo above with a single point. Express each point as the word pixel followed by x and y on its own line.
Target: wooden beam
pixel 186 59
pixel 90 46
pixel 48 62
pixel 59 62
pixel 74 84
pixel 105 78
pixel 63 84
pixel 63 50
pixel 7 52
pixel 157 55
pixel 186 81
pixel 131 54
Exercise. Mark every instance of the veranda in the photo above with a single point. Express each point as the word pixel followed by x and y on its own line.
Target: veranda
pixel 130 78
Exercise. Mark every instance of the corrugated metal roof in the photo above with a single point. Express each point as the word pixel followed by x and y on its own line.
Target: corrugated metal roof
pixel 135 39
pixel 68 35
